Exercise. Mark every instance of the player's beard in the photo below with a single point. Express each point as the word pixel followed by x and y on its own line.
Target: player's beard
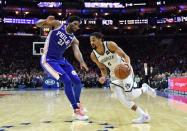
pixel 72 30
pixel 94 47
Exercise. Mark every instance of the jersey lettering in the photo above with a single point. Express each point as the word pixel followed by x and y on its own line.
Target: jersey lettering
pixel 108 58
pixel 59 40
pixel 62 39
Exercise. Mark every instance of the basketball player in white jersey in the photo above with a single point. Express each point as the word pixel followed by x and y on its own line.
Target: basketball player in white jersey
pixel 107 54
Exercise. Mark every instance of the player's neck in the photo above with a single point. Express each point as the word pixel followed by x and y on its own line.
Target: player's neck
pixel 100 49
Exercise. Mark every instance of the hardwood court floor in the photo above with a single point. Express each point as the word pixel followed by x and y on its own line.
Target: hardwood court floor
pixel 45 111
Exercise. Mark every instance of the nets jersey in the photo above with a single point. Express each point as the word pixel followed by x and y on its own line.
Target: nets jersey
pixel 57 42
pixel 111 60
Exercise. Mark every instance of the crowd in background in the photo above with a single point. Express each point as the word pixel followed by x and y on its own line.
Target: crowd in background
pixel 165 57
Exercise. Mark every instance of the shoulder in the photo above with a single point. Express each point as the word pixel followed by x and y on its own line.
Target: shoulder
pixel 111 46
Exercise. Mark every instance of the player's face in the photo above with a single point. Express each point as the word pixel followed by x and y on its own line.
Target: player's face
pixel 94 41
pixel 75 25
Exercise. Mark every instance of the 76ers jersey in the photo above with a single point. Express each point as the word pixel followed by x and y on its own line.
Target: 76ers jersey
pixel 111 60
pixel 57 42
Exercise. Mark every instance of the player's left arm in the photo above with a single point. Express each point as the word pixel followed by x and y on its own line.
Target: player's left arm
pixel 78 54
pixel 113 47
pixel 48 22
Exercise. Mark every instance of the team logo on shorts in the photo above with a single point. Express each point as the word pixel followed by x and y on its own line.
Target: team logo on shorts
pixel 74 72
pixel 127 86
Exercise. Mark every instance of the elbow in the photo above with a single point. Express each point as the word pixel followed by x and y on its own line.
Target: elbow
pixel 40 22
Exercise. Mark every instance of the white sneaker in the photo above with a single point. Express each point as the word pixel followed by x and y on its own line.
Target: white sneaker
pixel 79 115
pixel 150 91
pixel 142 119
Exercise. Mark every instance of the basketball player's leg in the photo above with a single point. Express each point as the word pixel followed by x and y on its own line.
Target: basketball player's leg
pixel 145 88
pixel 75 79
pixel 136 92
pixel 77 85
pixel 143 117
pixel 56 71
pixel 148 90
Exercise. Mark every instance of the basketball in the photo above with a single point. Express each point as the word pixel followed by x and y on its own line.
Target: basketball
pixel 122 71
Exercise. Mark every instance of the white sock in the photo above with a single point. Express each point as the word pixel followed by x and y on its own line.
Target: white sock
pixel 144 88
pixel 139 111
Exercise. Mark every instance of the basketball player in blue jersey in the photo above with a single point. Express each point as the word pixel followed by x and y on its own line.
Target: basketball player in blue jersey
pixel 53 61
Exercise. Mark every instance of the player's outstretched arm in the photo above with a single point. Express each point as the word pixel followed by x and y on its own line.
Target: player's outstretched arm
pixel 78 54
pixel 50 22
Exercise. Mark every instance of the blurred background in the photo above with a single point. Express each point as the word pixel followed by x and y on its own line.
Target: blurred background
pixel 152 32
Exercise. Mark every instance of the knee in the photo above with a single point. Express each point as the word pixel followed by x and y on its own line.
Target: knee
pixel 144 85
pixel 65 79
pixel 77 81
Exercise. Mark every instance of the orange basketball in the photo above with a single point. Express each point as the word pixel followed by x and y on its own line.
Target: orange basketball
pixel 122 71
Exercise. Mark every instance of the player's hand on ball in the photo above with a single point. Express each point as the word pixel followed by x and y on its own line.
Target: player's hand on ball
pixel 102 80
pixel 128 65
pixel 83 65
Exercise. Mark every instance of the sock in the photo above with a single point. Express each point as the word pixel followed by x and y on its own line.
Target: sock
pixel 144 88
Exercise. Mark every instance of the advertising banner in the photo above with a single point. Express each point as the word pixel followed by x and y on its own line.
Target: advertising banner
pixel 178 83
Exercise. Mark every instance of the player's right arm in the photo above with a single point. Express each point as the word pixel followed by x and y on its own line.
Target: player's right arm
pixel 102 68
pixel 50 22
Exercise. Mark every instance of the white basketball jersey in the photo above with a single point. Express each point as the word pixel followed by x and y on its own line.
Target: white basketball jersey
pixel 111 60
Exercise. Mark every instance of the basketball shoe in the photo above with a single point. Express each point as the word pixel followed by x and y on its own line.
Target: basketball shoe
pixel 79 115
pixel 83 109
pixel 142 119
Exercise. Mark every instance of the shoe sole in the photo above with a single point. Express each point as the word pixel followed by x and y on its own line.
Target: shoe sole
pixel 146 121
pixel 81 119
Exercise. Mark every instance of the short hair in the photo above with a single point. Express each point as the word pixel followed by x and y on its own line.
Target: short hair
pixel 73 18
pixel 97 35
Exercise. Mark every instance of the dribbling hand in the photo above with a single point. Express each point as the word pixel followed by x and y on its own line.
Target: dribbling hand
pixel 128 65
pixel 83 65
pixel 102 80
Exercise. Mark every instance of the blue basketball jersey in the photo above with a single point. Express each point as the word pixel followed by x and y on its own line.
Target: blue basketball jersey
pixel 57 42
